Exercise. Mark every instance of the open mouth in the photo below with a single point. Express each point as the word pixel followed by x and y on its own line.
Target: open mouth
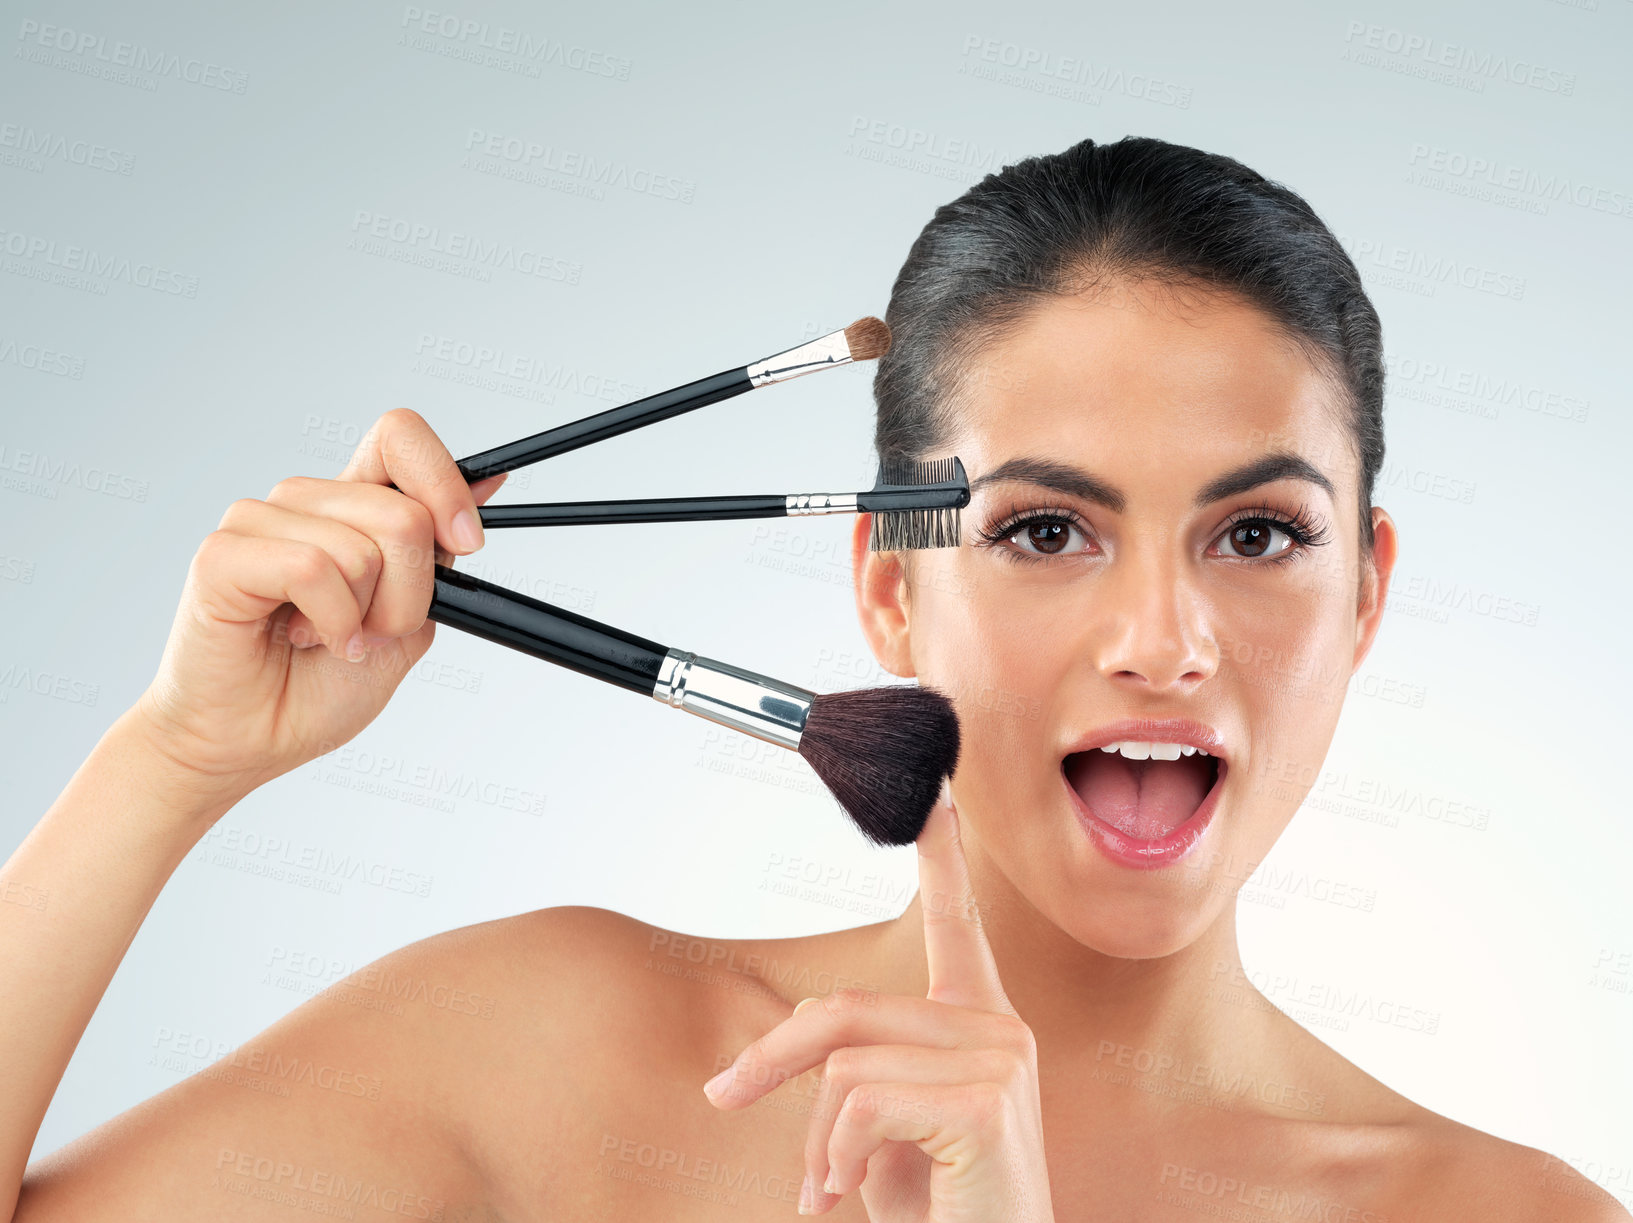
pixel 1146 791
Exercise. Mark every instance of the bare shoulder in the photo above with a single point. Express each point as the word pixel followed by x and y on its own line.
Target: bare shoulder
pixel 1386 1148
pixel 371 1091
pixel 604 1030
pixel 1470 1174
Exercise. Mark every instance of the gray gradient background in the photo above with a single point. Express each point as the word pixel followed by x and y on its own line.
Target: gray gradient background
pixel 814 144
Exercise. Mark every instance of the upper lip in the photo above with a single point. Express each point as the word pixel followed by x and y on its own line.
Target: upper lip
pixel 1152 730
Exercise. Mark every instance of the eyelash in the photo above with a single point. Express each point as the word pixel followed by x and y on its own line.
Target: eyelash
pixel 1301 527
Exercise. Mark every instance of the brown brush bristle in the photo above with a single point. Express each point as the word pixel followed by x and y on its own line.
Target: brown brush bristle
pixel 882 752
pixel 868 338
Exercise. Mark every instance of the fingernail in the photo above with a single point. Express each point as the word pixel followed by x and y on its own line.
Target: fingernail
pixel 356 651
pixel 716 1087
pixel 806 1197
pixel 467 531
pixel 805 1002
pixel 828 1185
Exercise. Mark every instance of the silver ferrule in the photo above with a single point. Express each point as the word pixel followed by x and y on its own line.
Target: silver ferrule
pixel 744 700
pixel 820 503
pixel 824 352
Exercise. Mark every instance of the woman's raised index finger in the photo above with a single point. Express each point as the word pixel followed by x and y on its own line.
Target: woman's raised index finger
pixel 402 449
pixel 962 969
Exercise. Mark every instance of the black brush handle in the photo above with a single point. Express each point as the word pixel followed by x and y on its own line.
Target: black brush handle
pixel 545 631
pixel 606 424
pixel 652 509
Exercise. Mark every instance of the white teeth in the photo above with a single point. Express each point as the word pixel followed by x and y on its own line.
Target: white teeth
pixel 1133 750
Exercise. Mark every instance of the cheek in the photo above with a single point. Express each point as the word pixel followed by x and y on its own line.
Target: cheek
pixel 1000 660
pixel 1287 661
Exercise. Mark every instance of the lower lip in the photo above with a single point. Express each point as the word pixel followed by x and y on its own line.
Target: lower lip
pixel 1141 854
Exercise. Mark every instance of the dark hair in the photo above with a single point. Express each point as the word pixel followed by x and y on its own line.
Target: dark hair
pixel 1140 209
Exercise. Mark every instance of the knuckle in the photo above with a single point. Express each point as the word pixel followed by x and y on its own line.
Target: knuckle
pixel 1013 1070
pixel 861 1102
pixel 412 526
pixel 842 1065
pixel 212 547
pixel 394 621
pixel 1019 1037
pixel 362 564
pixel 240 511
pixel 986 1103
pixel 287 490
pixel 308 563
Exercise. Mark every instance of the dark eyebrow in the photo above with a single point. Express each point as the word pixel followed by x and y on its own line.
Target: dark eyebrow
pixel 1086 486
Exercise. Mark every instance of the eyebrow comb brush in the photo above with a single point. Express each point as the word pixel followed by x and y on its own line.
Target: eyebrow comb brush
pixel 864 340
pixel 882 752
pixel 915 505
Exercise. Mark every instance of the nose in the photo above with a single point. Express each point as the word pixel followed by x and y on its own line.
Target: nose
pixel 1154 634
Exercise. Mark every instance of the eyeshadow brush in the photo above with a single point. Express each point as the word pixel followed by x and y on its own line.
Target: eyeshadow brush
pixel 864 340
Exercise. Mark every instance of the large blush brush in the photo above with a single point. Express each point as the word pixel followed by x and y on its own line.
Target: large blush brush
pixel 882 752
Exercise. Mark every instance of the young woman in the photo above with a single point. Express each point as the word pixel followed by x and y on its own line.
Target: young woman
pixel 1166 382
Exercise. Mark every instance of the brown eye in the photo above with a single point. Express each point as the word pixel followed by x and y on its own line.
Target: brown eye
pixel 1253 537
pixel 1038 536
pixel 1048 537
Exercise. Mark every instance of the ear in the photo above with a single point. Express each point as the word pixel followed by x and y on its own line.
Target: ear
pixel 1375 583
pixel 881 601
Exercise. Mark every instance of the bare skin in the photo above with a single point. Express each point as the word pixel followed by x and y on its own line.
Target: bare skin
pixel 573 1089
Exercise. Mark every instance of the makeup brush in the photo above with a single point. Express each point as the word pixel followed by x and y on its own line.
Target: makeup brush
pixel 882 752
pixel 915 505
pixel 864 340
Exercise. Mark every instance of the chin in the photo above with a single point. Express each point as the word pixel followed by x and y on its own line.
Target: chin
pixel 1134 928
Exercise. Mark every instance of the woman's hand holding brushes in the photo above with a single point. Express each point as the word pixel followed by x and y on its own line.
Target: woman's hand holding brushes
pixel 346 564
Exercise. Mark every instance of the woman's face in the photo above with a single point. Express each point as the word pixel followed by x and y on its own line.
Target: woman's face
pixel 1193 552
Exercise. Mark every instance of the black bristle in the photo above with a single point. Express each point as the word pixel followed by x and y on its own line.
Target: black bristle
pixel 893 530
pixel 882 752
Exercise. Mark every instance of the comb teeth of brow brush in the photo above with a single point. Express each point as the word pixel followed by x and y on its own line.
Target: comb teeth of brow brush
pixel 896 470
